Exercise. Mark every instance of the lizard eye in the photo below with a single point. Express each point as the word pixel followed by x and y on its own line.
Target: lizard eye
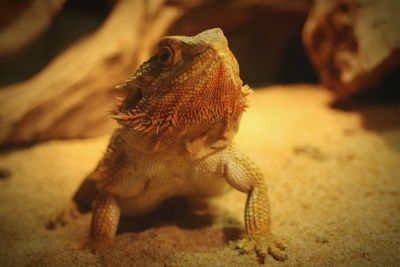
pixel 165 54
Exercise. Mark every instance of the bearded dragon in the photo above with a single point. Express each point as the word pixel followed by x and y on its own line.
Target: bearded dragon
pixel 176 124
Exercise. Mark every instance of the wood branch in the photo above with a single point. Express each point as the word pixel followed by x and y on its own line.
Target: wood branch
pixel 69 98
pixel 353 43
pixel 33 20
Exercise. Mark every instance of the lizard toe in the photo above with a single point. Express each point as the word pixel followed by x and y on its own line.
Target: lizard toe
pixel 68 214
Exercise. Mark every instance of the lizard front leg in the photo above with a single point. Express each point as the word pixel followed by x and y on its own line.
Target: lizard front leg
pixel 245 176
pixel 107 168
pixel 80 203
pixel 105 219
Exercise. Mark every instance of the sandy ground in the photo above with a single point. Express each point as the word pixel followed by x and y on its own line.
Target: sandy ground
pixel 334 181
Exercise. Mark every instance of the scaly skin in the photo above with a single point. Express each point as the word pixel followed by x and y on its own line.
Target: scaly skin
pixel 177 122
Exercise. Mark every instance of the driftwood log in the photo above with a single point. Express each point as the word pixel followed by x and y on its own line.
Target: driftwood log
pixel 69 98
pixel 33 20
pixel 353 43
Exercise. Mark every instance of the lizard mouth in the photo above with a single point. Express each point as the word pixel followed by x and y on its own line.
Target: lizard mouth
pixel 132 99
pixel 124 106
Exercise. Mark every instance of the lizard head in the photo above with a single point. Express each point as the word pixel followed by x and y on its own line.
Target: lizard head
pixel 189 82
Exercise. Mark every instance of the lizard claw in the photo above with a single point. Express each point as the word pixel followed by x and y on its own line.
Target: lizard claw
pixel 262 246
pixel 69 213
pixel 277 249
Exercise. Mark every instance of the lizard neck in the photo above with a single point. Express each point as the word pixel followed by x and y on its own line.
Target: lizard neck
pixel 194 143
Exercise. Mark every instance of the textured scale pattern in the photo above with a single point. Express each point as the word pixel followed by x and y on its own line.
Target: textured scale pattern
pixel 181 112
pixel 105 214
